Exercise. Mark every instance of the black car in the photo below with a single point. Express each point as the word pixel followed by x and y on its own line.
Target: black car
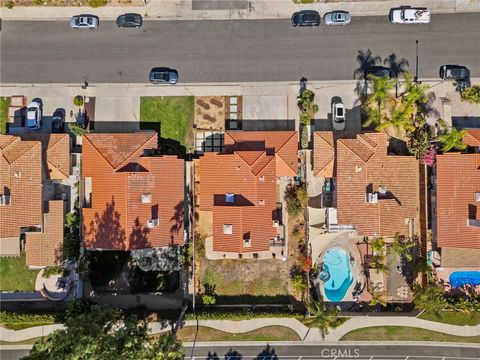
pixel 306 18
pixel 454 72
pixel 129 21
pixel 379 71
pixel 58 121
pixel 163 75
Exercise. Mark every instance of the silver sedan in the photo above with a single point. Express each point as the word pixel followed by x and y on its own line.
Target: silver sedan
pixel 84 21
pixel 337 18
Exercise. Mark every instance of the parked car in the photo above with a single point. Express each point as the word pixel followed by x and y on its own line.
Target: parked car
pixel 163 75
pixel 58 121
pixel 380 71
pixel 84 21
pixel 409 15
pixel 338 115
pixel 454 72
pixel 34 115
pixel 337 18
pixel 306 18
pixel 129 21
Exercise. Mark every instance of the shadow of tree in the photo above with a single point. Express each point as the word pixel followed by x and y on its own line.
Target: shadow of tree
pixel 213 356
pixel 233 355
pixel 138 238
pixel 178 218
pixel 267 354
pixel 365 60
pixel 106 230
pixel 398 66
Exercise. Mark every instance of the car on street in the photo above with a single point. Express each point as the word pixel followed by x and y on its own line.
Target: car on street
pixel 454 72
pixel 84 21
pixel 409 15
pixel 338 115
pixel 129 21
pixel 337 18
pixel 58 121
pixel 163 75
pixel 379 71
pixel 34 115
pixel 306 18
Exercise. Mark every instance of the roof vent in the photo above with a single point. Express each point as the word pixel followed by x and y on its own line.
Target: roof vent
pixel 261 202
pixel 247 243
pixel 152 223
pixel 146 198
pixel 358 168
pixel 4 199
pixel 17 174
pixel 477 196
pixel 276 223
pixel 261 178
pixel 371 198
pixel 228 229
pixel 230 198
pixel 382 190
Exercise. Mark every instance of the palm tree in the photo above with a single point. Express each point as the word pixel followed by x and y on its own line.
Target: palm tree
pixel 321 316
pixel 401 246
pixel 378 298
pixel 379 265
pixel 400 118
pixel 378 245
pixel 452 139
pixel 380 100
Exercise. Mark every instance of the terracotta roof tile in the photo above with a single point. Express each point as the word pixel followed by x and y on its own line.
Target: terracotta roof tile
pixel 137 190
pixel 458 182
pixel 323 154
pixel 472 137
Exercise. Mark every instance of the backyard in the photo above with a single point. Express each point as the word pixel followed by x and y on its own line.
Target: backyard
pixel 15 275
pixel 171 116
pixel 4 103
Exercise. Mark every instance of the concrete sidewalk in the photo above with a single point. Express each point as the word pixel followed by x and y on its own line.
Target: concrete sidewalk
pixel 256 9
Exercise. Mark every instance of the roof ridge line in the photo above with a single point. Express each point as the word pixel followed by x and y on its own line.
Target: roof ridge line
pixel 128 158
pixel 36 143
pixel 98 151
pixel 340 140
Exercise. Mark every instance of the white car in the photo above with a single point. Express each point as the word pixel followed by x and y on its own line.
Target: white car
pixel 338 115
pixel 34 115
pixel 84 21
pixel 337 18
pixel 409 15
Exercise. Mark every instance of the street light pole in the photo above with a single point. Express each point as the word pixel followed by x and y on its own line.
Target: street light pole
pixel 415 79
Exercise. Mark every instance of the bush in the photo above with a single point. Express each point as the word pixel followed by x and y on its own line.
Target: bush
pixel 78 100
pixel 187 253
pixel 77 130
pixel 304 118
pixel 18 320
pixel 10 4
pixel 240 315
pixel 84 268
pixel 208 299
pixel 294 206
pixel 299 282
pixel 200 245
pixel 304 141
pixel 52 270
pixel 471 94
pixel 97 3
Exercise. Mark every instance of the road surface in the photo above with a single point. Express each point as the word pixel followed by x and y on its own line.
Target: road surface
pixel 229 51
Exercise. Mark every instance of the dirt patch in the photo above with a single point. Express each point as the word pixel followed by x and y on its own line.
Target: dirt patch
pixel 210 112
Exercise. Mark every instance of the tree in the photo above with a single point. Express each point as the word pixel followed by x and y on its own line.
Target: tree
pixel 299 283
pixel 380 100
pixel 95 332
pixel 294 204
pixel 452 139
pixel 378 298
pixel 400 119
pixel 379 265
pixel 429 298
pixel 471 94
pixel 378 245
pixel 401 247
pixel 321 316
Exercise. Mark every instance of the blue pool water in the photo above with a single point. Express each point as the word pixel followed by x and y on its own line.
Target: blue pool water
pixel 460 278
pixel 336 263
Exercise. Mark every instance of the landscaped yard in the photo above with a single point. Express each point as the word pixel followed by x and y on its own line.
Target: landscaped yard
pixel 15 275
pixel 453 317
pixel 400 333
pixel 171 116
pixel 19 321
pixel 269 333
pixel 4 103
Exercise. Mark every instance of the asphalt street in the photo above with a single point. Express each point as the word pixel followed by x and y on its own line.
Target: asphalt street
pixel 229 51
pixel 313 352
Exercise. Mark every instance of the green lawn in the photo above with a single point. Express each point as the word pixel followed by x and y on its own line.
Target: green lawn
pixel 400 333
pixel 14 274
pixel 453 317
pixel 171 115
pixel 19 321
pixel 4 103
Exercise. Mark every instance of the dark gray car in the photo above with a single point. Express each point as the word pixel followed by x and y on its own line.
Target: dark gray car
pixel 163 75
pixel 129 21
pixel 454 72
pixel 306 18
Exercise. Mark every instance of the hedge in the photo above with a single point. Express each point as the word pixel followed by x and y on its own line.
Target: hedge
pixel 18 320
pixel 239 315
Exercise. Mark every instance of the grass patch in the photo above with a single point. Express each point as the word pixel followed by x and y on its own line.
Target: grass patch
pixel 24 342
pixel 453 318
pixel 403 333
pixel 171 116
pixel 269 333
pixel 4 104
pixel 15 274
pixel 19 321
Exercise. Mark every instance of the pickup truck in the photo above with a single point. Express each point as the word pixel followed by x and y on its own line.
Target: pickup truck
pixel 409 15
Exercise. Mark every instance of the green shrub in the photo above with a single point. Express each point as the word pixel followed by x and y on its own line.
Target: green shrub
pixel 18 320
pixel 97 3
pixel 200 245
pixel 240 315
pixel 78 100
pixel 304 118
pixel 299 283
pixel 77 130
pixel 187 253
pixel 10 4
pixel 208 299
pixel 52 270
pixel 472 94
pixel 84 268
pixel 304 138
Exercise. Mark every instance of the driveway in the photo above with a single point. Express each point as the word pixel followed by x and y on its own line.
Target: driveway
pixel 265 108
pixel 117 114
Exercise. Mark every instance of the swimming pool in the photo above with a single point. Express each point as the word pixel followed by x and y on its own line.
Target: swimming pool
pixel 336 263
pixel 460 278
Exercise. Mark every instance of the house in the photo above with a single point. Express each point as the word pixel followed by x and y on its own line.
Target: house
pixel 132 198
pixel 456 230
pixel 31 217
pixel 377 193
pixel 239 186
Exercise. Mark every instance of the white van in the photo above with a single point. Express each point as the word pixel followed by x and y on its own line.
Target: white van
pixel 409 15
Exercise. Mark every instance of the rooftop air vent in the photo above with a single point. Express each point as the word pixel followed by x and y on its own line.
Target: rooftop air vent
pixel 261 202
pixel 228 229
pixel 477 196
pixel 276 223
pixel 152 223
pixel 247 243
pixel 358 168
pixel 146 198
pixel 382 190
pixel 261 178
pixel 229 198
pixel 4 199
pixel 371 198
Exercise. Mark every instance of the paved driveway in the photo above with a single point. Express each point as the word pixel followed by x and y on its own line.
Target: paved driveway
pixel 117 114
pixel 265 108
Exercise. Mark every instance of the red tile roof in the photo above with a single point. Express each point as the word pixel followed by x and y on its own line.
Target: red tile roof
pixel 458 181
pixel 472 137
pixel 248 169
pixel 46 248
pixel 363 166
pixel 323 154
pixel 21 178
pixel 121 176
